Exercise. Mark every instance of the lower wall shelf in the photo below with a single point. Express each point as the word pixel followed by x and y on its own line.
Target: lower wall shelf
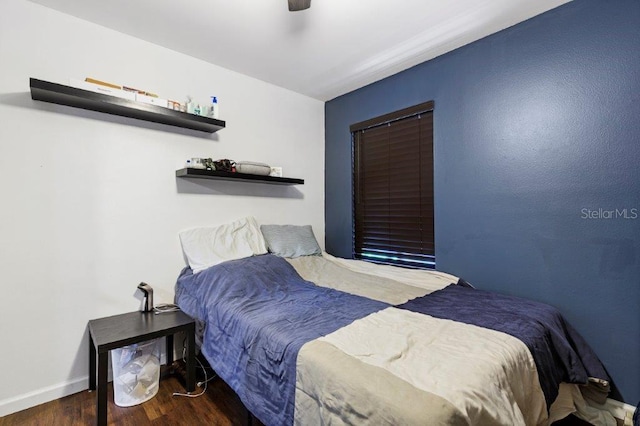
pixel 213 174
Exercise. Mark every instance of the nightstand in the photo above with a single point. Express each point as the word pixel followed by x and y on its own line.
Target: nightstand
pixel 117 331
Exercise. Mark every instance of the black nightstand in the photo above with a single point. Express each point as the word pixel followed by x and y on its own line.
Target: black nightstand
pixel 117 331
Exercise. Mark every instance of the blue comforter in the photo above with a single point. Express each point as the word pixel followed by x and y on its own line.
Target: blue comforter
pixel 259 312
pixel 560 353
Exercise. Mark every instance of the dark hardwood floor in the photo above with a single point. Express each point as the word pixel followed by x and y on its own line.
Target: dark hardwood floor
pixel 219 406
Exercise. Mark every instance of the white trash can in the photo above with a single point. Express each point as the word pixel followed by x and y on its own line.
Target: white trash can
pixel 136 373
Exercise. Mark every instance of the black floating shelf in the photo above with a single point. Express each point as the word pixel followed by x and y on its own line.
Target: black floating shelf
pixel 71 96
pixel 214 174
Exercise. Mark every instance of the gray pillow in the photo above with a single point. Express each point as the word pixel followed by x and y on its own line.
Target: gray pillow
pixel 291 240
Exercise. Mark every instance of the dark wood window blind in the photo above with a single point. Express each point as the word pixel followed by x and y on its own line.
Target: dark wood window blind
pixel 393 188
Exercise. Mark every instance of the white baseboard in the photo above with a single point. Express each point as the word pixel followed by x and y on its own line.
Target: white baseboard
pixel 49 393
pixel 40 396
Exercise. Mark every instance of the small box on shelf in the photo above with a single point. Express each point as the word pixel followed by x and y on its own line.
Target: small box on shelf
pixel 100 88
pixel 276 172
pixel 151 100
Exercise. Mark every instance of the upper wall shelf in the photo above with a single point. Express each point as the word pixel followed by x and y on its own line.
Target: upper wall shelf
pixel 214 174
pixel 79 98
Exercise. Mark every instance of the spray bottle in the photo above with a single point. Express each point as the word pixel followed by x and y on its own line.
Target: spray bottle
pixel 214 107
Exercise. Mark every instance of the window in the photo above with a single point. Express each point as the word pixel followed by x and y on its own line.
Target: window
pixel 393 188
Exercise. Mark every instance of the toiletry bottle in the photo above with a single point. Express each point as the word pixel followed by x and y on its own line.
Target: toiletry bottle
pixel 188 164
pixel 214 107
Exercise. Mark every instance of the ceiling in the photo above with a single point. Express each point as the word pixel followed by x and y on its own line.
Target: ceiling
pixel 332 48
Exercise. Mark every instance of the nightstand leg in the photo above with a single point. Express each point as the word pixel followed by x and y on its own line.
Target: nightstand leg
pixel 101 397
pixel 92 364
pixel 191 360
pixel 169 345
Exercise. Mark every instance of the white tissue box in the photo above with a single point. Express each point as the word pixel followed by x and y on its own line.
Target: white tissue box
pixel 276 172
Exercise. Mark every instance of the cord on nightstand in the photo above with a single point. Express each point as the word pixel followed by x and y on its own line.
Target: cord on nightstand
pixel 165 307
pixel 199 384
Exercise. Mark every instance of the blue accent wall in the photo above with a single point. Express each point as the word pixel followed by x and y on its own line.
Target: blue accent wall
pixel 537 144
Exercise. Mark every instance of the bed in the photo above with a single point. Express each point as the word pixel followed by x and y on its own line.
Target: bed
pixel 306 338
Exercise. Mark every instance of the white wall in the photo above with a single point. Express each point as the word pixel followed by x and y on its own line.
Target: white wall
pixel 90 202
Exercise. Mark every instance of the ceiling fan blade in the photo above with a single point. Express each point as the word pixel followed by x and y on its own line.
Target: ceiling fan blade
pixel 296 5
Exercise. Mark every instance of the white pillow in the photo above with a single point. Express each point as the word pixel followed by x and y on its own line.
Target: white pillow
pixel 205 247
